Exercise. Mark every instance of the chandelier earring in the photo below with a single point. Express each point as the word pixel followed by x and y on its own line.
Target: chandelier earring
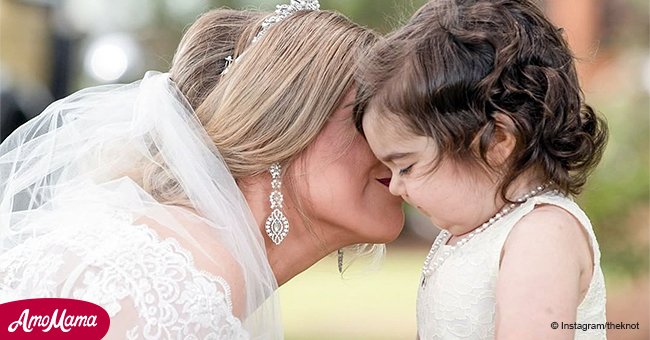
pixel 277 225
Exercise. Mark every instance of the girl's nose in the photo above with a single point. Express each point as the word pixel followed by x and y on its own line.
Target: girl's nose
pixel 396 186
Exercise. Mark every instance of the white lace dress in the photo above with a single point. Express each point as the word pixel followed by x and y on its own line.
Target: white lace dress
pixel 149 286
pixel 458 299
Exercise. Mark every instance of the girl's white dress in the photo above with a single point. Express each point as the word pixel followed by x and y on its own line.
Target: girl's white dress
pixel 458 299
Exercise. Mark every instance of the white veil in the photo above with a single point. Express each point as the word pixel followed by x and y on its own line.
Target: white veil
pixel 90 150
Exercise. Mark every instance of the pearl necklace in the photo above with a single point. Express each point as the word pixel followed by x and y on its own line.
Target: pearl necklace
pixel 430 266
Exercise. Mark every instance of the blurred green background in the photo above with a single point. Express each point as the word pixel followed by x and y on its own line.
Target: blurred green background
pixel 50 48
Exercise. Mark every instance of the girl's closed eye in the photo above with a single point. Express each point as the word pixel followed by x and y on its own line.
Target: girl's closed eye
pixel 405 171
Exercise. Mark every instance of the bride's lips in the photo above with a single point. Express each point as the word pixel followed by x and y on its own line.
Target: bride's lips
pixel 384 181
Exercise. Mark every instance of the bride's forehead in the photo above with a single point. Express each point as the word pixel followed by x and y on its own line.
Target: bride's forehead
pixel 345 108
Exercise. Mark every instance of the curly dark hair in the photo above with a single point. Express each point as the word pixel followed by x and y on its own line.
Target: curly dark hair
pixel 457 63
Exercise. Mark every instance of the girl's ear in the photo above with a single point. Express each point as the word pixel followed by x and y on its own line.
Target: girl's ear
pixel 504 141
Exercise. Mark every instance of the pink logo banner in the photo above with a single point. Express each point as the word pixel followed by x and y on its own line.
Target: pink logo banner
pixel 52 319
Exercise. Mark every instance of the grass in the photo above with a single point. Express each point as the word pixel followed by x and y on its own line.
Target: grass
pixel 320 304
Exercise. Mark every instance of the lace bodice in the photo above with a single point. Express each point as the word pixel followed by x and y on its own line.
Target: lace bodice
pixel 149 286
pixel 458 299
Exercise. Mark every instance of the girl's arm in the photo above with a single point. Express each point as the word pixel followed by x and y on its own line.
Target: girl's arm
pixel 546 268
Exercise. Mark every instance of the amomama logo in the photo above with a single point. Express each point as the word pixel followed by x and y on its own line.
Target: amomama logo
pixel 52 319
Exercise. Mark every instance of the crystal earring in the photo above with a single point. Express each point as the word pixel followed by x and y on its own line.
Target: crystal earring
pixel 340 260
pixel 277 225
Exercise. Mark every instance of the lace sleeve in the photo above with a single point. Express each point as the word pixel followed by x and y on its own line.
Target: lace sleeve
pixel 150 288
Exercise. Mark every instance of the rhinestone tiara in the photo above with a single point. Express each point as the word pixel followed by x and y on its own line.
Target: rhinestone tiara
pixel 281 12
pixel 284 11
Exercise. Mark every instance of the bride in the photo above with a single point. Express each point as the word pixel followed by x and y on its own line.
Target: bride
pixel 180 202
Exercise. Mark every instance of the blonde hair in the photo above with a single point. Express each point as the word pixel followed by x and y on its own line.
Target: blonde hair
pixel 278 95
pixel 201 55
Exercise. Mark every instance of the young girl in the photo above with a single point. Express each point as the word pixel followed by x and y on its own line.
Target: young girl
pixel 475 107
